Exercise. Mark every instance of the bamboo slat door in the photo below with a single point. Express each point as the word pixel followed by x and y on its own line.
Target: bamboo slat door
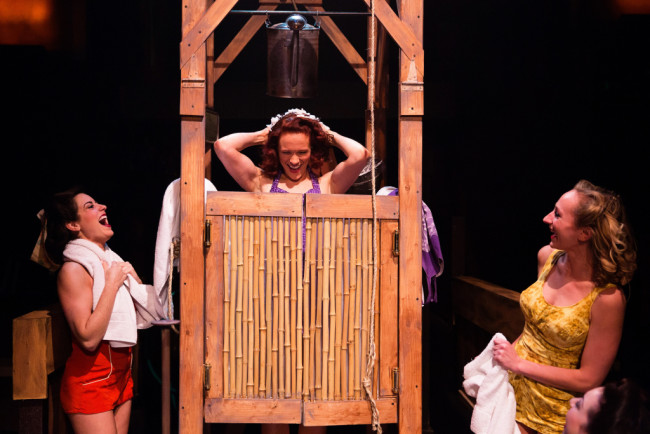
pixel 288 308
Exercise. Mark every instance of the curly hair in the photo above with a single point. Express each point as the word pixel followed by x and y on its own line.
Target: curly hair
pixel 612 243
pixel 623 410
pixel 291 123
pixel 60 209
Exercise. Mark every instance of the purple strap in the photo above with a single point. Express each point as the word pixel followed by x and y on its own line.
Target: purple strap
pixel 315 189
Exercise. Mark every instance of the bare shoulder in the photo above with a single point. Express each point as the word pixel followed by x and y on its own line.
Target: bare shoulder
pixel 610 298
pixel 73 276
pixel 542 256
pixel 608 311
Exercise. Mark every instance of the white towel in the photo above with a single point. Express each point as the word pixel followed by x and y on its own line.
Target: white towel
pixel 487 381
pixel 169 230
pixel 136 304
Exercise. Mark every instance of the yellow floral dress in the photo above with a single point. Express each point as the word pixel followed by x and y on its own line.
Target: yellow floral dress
pixel 553 335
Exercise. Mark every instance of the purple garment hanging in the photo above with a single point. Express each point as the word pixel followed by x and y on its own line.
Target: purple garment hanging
pixel 432 261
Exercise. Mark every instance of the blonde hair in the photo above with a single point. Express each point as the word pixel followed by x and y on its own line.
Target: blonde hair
pixel 612 243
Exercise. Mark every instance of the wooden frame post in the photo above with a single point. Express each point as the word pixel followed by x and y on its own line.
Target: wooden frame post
pixel 410 194
pixel 192 264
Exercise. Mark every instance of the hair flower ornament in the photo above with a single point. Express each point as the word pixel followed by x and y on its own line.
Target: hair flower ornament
pixel 301 113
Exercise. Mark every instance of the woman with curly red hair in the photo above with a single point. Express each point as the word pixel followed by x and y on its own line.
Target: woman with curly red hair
pixel 296 145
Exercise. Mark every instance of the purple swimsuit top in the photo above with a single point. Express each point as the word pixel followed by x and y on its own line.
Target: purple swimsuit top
pixel 315 188
pixel 314 183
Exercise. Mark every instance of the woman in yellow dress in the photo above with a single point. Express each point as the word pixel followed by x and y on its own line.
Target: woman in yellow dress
pixel 574 311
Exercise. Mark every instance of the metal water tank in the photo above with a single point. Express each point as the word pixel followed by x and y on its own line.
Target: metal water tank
pixel 292 58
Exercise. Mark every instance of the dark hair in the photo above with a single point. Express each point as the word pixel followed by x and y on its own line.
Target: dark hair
pixel 612 243
pixel 60 209
pixel 623 410
pixel 291 123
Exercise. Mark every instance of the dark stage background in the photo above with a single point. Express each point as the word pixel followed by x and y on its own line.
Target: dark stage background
pixel 522 99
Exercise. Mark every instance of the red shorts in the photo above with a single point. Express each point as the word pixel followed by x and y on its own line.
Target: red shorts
pixel 96 382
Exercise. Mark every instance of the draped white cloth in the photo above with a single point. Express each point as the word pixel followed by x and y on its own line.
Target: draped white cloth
pixel 136 304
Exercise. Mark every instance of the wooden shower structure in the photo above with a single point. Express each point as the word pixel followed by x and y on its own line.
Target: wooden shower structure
pixel 215 384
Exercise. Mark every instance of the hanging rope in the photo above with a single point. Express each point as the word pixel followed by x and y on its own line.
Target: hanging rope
pixel 367 382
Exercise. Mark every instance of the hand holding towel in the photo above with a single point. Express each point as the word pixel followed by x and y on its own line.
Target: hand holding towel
pixel 487 381
pixel 136 304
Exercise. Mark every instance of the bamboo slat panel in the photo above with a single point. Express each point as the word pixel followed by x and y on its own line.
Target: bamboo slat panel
pixel 339 367
pixel 295 309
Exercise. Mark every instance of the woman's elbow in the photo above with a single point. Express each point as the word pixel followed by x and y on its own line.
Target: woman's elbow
pixel 360 155
pixel 88 344
pixel 587 383
pixel 365 153
pixel 218 147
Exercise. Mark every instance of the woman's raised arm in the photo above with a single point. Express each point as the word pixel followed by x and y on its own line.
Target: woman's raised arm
pixel 239 166
pixel 348 170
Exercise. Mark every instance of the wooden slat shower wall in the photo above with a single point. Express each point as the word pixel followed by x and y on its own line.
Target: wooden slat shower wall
pixel 287 325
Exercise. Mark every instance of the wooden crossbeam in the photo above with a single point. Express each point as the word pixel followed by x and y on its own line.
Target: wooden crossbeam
pixel 343 44
pixel 238 43
pixel 401 33
pixel 200 32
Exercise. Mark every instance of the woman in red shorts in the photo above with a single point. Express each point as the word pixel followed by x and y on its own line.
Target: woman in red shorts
pixel 96 289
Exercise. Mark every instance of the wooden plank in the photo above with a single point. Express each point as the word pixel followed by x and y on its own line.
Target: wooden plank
pixel 326 413
pixel 210 80
pixel 41 344
pixel 343 44
pixel 253 204
pixel 410 260
pixel 253 410
pixel 401 32
pixel 351 205
pixel 388 270
pixel 410 188
pixel 411 67
pixel 488 306
pixel 192 100
pixel 214 310
pixel 412 99
pixel 238 43
pixel 196 34
pixel 192 303
pixel 192 277
pixel 31 333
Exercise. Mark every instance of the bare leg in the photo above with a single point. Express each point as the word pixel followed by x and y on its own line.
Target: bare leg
pixel 98 423
pixel 109 422
pixel 122 417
